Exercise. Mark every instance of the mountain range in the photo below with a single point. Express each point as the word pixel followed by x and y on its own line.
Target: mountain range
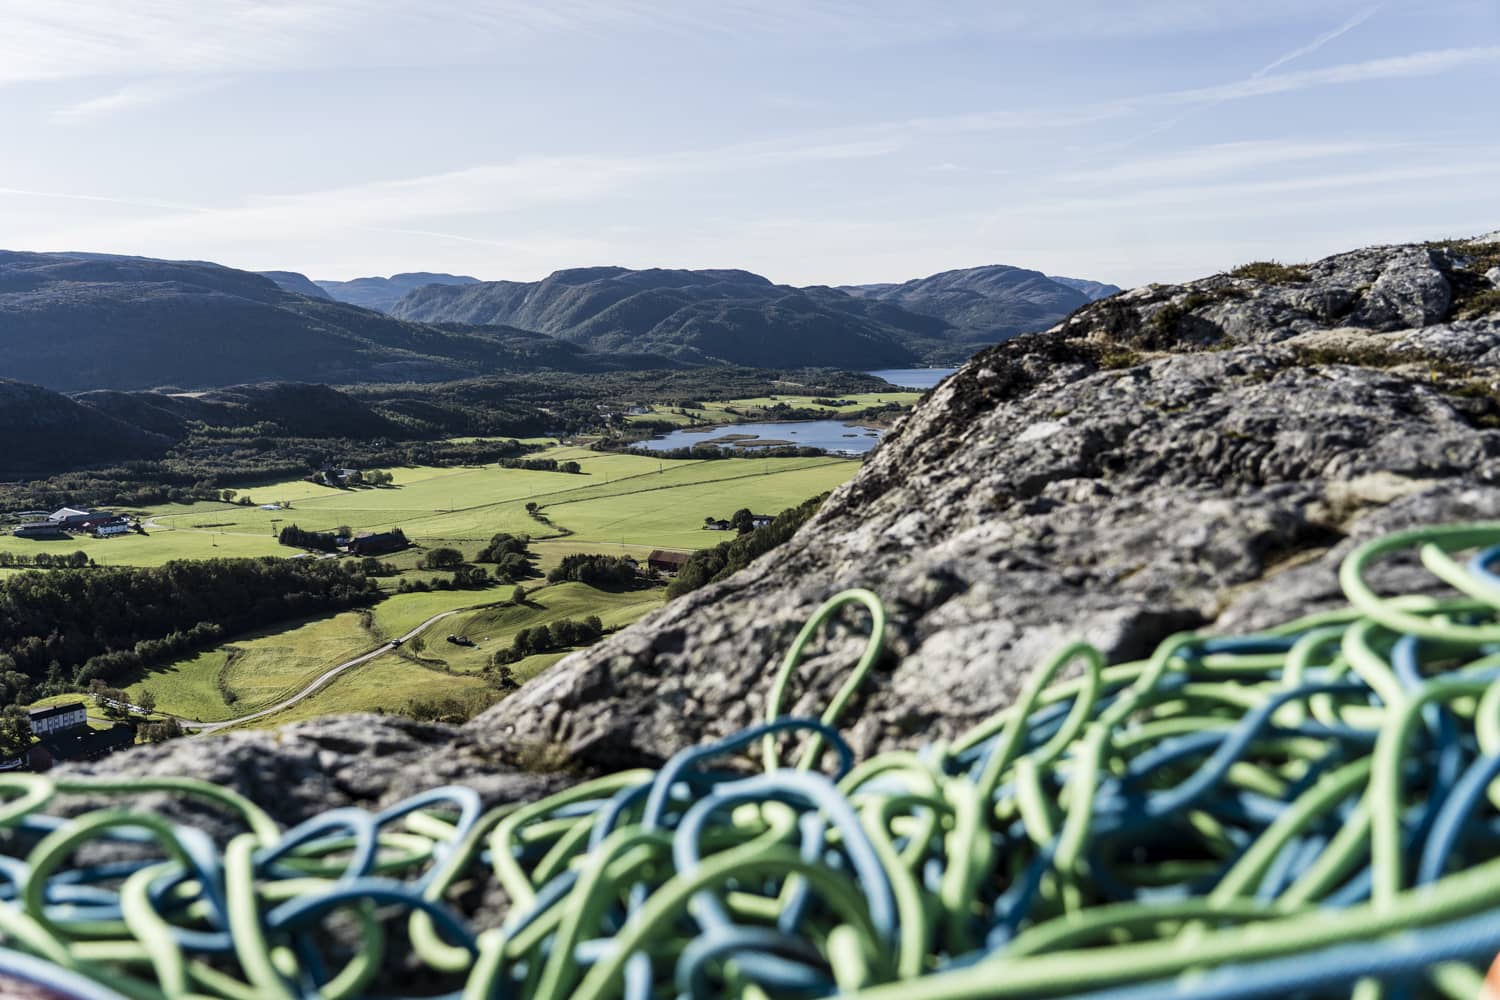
pixel 81 321
pixel 87 321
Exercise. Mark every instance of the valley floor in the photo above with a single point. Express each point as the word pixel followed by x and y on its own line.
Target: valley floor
pixel 618 504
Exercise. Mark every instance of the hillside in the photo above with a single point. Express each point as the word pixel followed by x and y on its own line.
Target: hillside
pixel 1095 290
pixel 86 321
pixel 44 431
pixel 381 294
pixel 985 305
pixel 291 281
pixel 705 316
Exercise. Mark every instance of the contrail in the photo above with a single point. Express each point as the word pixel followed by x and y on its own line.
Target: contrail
pixel 1319 42
pixel 1266 70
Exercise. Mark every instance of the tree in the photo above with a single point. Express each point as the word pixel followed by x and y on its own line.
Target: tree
pixel 15 730
pixel 742 521
pixel 594 627
pixel 541 639
pixel 443 557
pixel 518 596
pixel 522 642
pixel 146 702
pixel 572 467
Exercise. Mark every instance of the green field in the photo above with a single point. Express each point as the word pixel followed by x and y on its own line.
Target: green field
pixel 756 408
pixel 262 669
pixel 259 669
pixel 624 500
pixel 619 504
pixel 429 668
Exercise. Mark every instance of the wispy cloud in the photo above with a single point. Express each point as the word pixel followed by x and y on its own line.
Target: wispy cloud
pixel 1227 158
pixel 1317 43
pixel 1430 63
pixel 136 94
pixel 92 38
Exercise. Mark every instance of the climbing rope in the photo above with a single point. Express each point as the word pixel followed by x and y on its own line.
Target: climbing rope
pixel 1312 810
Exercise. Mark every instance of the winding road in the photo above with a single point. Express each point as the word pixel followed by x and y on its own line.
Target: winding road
pixel 319 682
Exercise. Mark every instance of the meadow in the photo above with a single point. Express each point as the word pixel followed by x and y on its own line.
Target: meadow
pixel 426 668
pixel 617 504
pixel 758 407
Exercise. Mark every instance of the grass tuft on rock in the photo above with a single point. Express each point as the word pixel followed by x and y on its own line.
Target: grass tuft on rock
pixel 1272 273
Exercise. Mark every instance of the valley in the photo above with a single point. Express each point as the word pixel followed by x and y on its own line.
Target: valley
pixel 616 504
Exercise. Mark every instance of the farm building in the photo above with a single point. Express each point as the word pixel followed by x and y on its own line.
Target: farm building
pixel 58 718
pixel 72 518
pixel 104 527
pixel 81 744
pixel 368 543
pixel 39 529
pixel 666 562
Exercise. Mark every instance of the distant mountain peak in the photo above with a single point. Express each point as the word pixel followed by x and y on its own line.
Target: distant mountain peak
pixel 381 294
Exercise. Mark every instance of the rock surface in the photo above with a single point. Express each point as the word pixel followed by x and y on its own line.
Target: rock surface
pixel 1172 457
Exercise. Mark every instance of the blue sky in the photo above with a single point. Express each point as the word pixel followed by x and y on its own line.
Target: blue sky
pixel 813 141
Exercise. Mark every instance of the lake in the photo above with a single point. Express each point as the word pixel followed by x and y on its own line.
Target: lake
pixel 831 435
pixel 913 378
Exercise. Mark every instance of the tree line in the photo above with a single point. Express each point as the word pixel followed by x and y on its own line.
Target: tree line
pixel 562 634
pixel 711 565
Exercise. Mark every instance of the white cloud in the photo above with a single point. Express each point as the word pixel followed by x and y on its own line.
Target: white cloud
pixel 88 38
pixel 1226 158
pixel 129 96
pixel 1430 63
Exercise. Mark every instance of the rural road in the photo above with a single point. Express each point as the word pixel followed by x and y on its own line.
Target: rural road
pixel 317 683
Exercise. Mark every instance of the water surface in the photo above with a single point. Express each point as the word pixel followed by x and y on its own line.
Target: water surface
pixel 913 378
pixel 830 435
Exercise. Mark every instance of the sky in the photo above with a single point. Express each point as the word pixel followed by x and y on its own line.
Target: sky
pixel 812 141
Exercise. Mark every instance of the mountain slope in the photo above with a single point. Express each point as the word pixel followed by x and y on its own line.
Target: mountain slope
pixel 291 281
pixel 1095 290
pixel 73 322
pixel 381 294
pixel 695 315
pixel 44 431
pixel 983 305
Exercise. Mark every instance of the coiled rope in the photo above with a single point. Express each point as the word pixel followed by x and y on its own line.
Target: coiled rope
pixel 1312 810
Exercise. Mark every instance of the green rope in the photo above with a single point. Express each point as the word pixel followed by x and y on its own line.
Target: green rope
pixel 1310 809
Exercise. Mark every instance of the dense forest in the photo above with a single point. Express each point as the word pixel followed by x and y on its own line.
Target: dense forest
pixel 64 628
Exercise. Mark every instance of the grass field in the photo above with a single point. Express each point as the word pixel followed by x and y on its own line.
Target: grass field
pixel 429 668
pixel 386 684
pixel 259 669
pixel 627 500
pixel 755 408
pixel 266 667
pixel 619 504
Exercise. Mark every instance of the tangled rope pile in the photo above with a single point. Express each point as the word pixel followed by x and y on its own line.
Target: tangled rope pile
pixel 1307 811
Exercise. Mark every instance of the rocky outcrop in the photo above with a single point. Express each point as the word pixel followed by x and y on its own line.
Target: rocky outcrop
pixel 1173 457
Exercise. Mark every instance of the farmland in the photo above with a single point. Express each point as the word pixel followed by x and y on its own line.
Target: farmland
pixel 760 407
pixel 618 500
pixel 617 504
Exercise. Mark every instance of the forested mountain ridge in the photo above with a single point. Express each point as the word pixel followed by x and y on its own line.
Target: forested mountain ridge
pixel 89 321
pixel 697 316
